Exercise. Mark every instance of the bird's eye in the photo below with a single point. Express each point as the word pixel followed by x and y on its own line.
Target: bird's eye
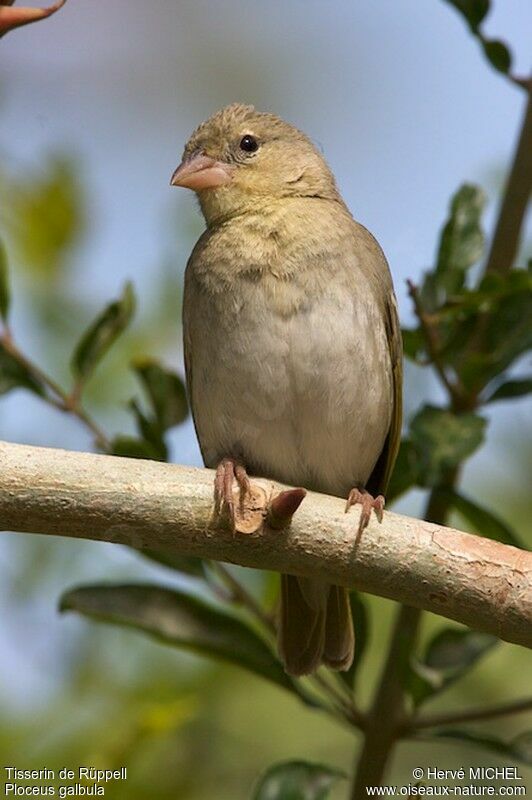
pixel 249 144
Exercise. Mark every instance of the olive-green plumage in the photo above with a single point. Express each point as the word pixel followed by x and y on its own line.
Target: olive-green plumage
pixel 292 344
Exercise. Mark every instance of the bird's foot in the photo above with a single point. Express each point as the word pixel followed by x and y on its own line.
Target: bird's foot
pixel 368 503
pixel 227 471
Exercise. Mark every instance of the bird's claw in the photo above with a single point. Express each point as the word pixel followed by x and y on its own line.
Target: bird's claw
pixel 227 471
pixel 368 503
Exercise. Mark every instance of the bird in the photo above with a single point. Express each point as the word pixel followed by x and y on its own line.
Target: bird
pixel 292 345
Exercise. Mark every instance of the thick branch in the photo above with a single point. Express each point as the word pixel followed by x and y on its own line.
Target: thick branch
pixel 145 504
pixel 387 711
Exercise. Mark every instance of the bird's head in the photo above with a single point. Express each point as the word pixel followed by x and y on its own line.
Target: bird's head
pixel 240 157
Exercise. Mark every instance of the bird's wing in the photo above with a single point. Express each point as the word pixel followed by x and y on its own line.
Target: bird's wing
pixel 186 353
pixel 187 347
pixel 382 471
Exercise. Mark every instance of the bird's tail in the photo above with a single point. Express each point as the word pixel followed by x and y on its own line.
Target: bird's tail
pixel 316 626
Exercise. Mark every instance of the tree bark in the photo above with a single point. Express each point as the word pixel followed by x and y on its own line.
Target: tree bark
pixel 146 504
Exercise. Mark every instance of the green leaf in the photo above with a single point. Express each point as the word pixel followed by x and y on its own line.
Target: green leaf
pixel 406 472
pixel 497 54
pixel 189 565
pixel 102 333
pixel 509 332
pixel 502 308
pixel 46 217
pixel 4 284
pixel 421 682
pixel 165 390
pixel 519 748
pixel 462 238
pixel 454 650
pixel 297 780
pixel 151 432
pixel 448 656
pixel 413 343
pixel 167 398
pixel 510 389
pixel 443 440
pixel 430 293
pixel 474 11
pixel 483 521
pixel 131 447
pixel 361 626
pixel 178 618
pixel 14 375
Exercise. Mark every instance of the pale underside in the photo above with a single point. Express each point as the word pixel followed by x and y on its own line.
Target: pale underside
pixel 302 392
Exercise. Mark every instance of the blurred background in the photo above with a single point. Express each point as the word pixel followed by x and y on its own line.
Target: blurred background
pixel 96 105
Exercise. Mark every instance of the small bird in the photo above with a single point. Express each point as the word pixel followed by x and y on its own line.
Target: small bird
pixel 292 344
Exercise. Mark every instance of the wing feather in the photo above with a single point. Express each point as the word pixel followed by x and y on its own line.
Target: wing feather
pixel 382 471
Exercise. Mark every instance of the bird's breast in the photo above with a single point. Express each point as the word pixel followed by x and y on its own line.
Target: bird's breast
pixel 292 375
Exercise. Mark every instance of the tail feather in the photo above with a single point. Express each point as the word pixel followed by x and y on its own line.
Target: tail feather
pixel 315 626
pixel 339 632
pixel 301 635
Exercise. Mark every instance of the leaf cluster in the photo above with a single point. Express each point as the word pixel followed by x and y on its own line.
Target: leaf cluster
pixel 474 13
pixel 45 217
pixel 472 334
pixel 165 404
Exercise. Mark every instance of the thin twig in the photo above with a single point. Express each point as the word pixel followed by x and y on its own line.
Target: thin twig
pixel 58 398
pixel 468 715
pixel 345 701
pixel 455 391
pixel 522 82
pixel 505 242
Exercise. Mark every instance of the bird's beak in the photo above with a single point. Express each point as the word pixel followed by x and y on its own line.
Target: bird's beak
pixel 201 172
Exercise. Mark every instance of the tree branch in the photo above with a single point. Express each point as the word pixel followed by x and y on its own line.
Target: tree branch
pixel 385 717
pixel 146 504
pixel 515 199
pixel 468 715
pixel 11 18
pixel 454 390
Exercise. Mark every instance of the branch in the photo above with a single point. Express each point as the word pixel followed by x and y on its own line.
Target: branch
pixel 11 18
pixel 56 396
pixel 468 715
pixel 385 717
pixel 146 504
pixel 455 391
pixel 514 203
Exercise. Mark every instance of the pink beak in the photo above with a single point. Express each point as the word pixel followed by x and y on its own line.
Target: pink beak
pixel 201 172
